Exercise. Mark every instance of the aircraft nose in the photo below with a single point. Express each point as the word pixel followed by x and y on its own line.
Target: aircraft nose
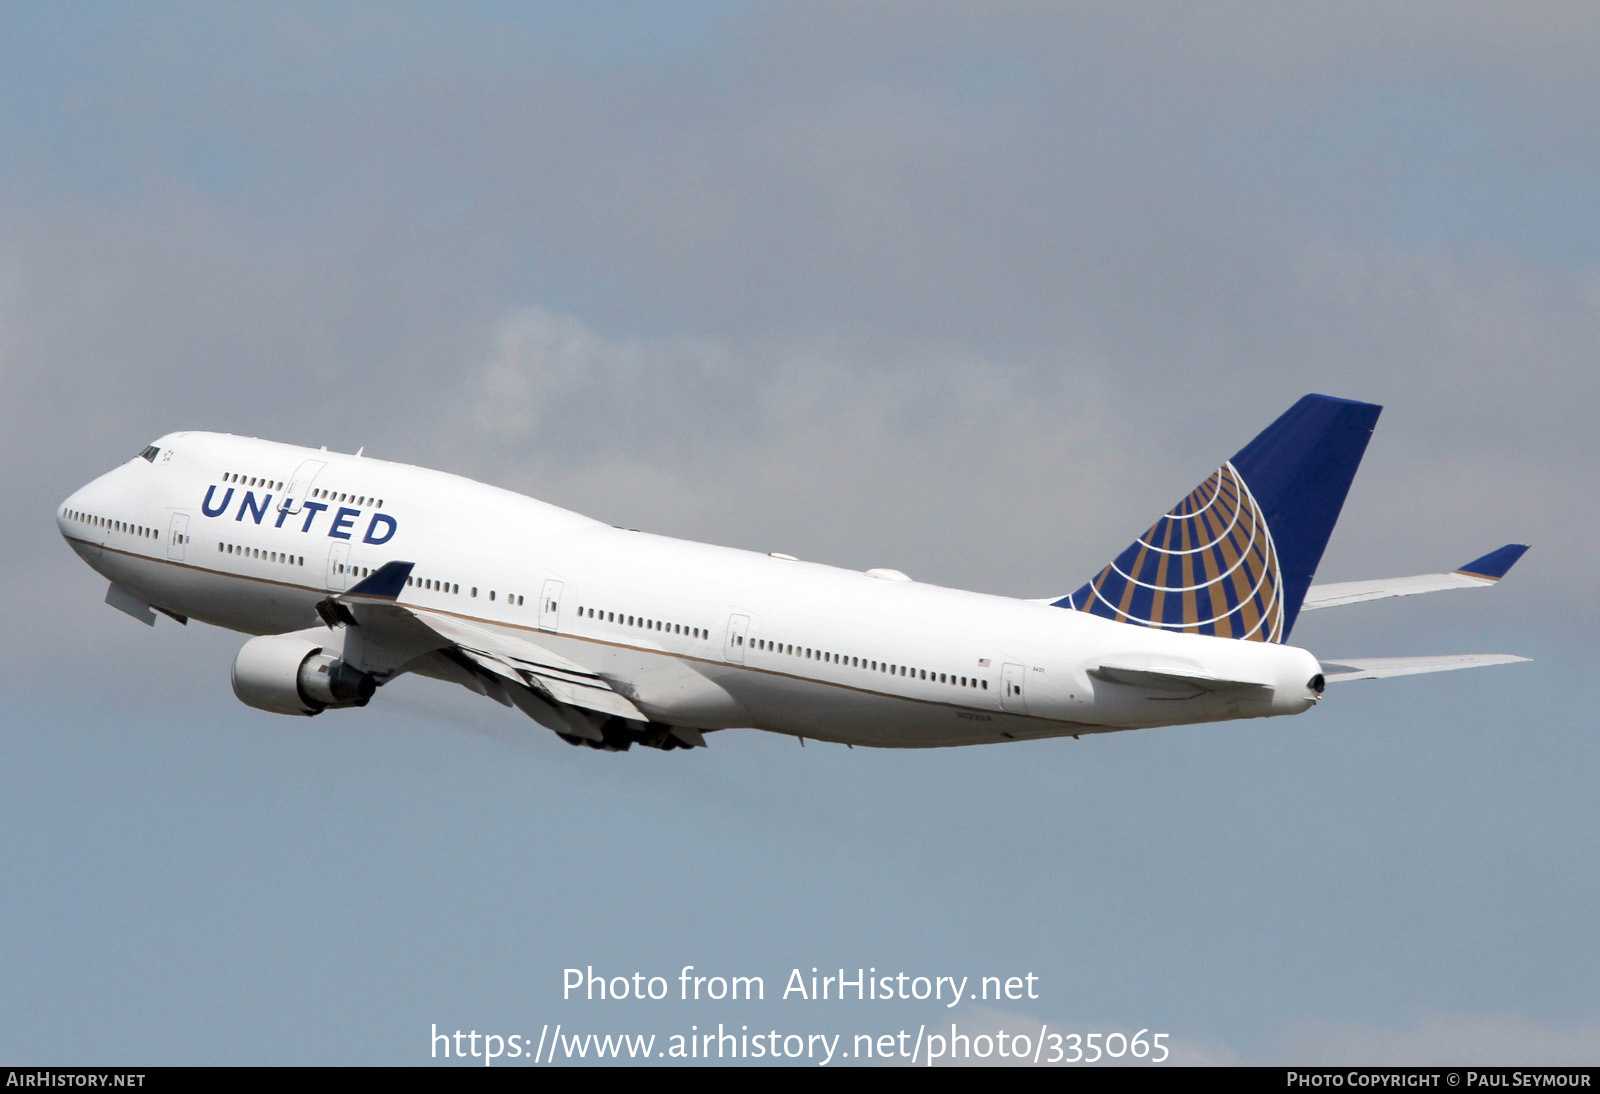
pixel 76 515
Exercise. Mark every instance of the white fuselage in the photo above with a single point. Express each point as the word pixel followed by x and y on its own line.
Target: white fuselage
pixel 695 635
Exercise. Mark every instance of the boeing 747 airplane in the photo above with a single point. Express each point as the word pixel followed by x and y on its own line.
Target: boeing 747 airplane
pixel 351 571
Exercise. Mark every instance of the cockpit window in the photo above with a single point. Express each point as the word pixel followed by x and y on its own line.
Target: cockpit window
pixel 151 453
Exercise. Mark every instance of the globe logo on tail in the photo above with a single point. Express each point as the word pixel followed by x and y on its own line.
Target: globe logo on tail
pixel 1208 567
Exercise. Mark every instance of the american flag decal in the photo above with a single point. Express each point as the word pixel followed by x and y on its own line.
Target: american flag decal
pixel 983 662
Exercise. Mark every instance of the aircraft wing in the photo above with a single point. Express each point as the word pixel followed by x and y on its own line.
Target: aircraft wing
pixel 1377 668
pixel 1476 574
pixel 560 694
pixel 524 662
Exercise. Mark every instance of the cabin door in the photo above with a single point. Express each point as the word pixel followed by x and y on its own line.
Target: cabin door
pixel 1011 697
pixel 738 628
pixel 177 536
pixel 338 575
pixel 550 607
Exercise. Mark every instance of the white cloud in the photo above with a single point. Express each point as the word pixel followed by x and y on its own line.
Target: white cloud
pixel 864 460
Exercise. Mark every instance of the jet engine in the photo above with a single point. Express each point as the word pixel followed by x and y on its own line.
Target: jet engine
pixel 287 674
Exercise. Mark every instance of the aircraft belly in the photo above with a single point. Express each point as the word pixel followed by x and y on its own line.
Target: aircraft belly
pixel 706 694
pixel 847 715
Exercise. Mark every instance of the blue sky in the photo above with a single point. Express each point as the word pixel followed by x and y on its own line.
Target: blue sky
pixel 974 293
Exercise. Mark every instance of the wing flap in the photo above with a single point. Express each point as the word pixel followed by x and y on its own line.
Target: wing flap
pixel 1378 668
pixel 403 631
pixel 529 664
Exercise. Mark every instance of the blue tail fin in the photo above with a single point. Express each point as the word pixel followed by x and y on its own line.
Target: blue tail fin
pixel 1236 556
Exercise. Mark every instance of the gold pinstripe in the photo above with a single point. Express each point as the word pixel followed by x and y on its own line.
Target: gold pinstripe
pixel 605 642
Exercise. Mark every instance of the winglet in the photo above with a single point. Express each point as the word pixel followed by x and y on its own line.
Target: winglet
pixel 1496 564
pixel 384 583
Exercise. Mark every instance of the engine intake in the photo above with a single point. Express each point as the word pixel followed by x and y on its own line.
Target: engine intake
pixel 287 674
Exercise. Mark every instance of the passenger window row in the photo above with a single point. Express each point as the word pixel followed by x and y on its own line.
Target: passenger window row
pixel 341 497
pixel 319 494
pixel 626 620
pixel 140 530
pixel 436 586
pixel 870 665
pixel 251 480
pixel 429 583
pixel 263 555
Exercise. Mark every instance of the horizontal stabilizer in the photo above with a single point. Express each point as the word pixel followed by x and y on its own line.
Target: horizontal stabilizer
pixel 1477 574
pixel 1377 668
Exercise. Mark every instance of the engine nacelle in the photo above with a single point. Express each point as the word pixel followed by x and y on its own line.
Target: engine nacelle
pixel 287 674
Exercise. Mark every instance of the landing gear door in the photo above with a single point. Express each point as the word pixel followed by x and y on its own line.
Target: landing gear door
pixel 738 628
pixel 300 486
pixel 1011 697
pixel 338 571
pixel 177 536
pixel 550 607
